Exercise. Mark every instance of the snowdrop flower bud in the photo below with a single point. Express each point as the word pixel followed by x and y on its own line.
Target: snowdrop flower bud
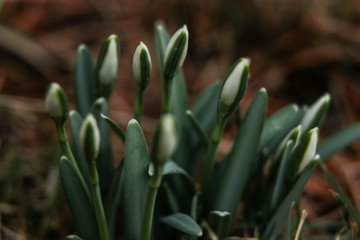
pixel 107 65
pixel 311 139
pixel 175 53
pixel 316 112
pixel 56 102
pixel 234 86
pixel 165 140
pixel 142 66
pixel 90 138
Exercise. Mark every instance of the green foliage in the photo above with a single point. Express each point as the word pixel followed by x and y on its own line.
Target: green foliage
pixel 157 194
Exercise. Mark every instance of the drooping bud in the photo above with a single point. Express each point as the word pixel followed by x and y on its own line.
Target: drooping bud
pixel 315 114
pixel 142 66
pixel 56 103
pixel 175 53
pixel 234 86
pixel 90 138
pixel 107 66
pixel 164 141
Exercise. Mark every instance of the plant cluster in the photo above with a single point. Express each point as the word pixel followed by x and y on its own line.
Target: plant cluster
pixel 152 193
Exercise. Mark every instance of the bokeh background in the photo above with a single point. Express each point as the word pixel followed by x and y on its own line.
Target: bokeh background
pixel 299 49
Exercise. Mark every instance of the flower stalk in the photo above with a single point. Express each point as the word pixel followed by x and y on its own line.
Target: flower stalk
pixel 233 90
pixel 142 70
pixel 164 145
pixel 90 142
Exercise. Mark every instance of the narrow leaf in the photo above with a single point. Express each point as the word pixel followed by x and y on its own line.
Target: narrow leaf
pixel 196 125
pixel 340 194
pixel 275 224
pixel 183 223
pixel 75 125
pixel 170 168
pixel 118 131
pixel 84 80
pixel 277 126
pixel 105 158
pixel 79 203
pixel 73 237
pixel 242 156
pixel 112 201
pixel 338 141
pixel 136 162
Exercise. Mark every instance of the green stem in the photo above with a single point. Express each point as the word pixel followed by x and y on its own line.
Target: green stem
pixel 166 104
pixel 139 104
pixel 210 157
pixel 66 150
pixel 96 196
pixel 148 212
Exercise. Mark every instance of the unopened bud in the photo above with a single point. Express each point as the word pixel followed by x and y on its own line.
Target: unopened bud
pixel 90 138
pixel 175 53
pixel 164 141
pixel 56 102
pixel 234 86
pixel 107 65
pixel 311 139
pixel 142 65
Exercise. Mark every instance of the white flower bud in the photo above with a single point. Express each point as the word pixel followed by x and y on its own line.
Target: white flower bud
pixel 310 149
pixel 56 102
pixel 175 53
pixel 142 65
pixel 90 138
pixel 107 65
pixel 165 140
pixel 234 86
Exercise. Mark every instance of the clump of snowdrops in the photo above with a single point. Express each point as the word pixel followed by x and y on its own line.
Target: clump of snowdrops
pixel 152 193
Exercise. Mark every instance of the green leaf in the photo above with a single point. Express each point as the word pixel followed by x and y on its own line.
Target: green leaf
pixel 118 131
pixel 196 125
pixel 73 237
pixel 79 203
pixel 84 80
pixel 161 40
pixel 280 178
pixel 170 168
pixel 183 223
pixel 338 141
pixel 315 114
pixel 136 163
pixel 340 194
pixel 220 222
pixel 277 126
pixel 205 111
pixel 105 159
pixel 242 156
pixel 275 223
pixel 112 201
pixel 75 125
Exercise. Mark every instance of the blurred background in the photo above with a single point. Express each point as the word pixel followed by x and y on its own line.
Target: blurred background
pixel 299 49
